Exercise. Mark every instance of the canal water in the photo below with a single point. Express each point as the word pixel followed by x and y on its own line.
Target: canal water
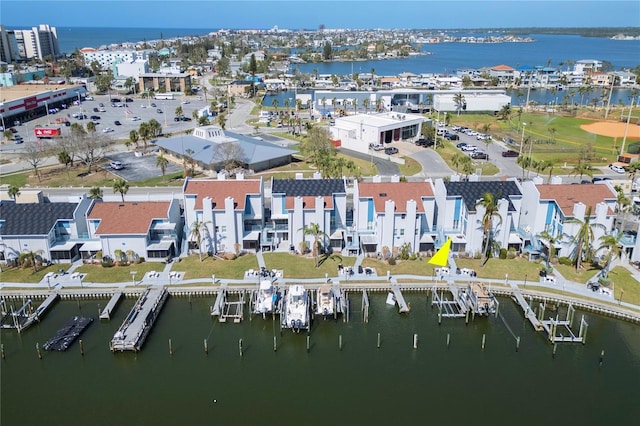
pixel 356 384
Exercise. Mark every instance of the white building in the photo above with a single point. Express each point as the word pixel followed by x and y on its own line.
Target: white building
pixel 132 68
pixel 357 132
pixel 38 42
pixel 472 101
pixel 108 58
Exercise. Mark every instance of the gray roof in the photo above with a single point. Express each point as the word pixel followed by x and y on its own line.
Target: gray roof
pixel 32 218
pixel 308 187
pixel 255 150
pixel 471 192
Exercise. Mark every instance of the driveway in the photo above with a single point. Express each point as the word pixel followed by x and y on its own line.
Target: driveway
pixel 385 167
pixel 139 168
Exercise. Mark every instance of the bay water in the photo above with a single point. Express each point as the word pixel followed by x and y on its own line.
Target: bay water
pixel 356 384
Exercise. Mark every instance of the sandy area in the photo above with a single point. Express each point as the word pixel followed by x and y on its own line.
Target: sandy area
pixel 612 129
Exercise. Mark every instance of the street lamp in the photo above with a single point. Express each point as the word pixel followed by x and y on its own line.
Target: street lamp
pixel 164 110
pixel 522 137
pixel 621 294
pixel 46 107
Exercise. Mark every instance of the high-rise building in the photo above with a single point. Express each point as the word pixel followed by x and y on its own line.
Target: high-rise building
pixel 38 42
pixel 8 45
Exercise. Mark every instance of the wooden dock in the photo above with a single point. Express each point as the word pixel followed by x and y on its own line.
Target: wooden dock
pixel 528 312
pixel 455 308
pixel 218 305
pixel 402 305
pixel 113 302
pixel 233 309
pixel 137 325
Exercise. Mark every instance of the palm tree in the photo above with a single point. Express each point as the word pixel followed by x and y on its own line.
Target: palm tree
pixel 614 250
pixel 162 162
pixel 198 231
pixel 64 158
pixel 134 137
pixel 458 159
pixel 365 105
pixel 551 240
pixel 287 103
pixel 323 101
pixel 459 101
pixel 222 120
pixel 584 238
pixel 144 132
pixel 524 162
pixel 274 103
pixel 120 185
pixel 334 102
pixel 582 169
pixel 178 112
pixel 490 205
pixel 95 193
pixel 505 113
pixel 314 230
pixel 14 191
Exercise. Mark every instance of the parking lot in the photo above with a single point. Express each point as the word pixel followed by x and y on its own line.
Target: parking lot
pixel 139 168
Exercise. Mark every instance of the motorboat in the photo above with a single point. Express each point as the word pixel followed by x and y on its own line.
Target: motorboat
pixel 296 310
pixel 266 299
pixel 325 304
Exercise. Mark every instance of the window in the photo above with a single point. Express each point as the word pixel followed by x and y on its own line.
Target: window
pixel 401 232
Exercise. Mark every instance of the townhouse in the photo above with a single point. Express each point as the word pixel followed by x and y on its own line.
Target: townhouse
pixel 392 214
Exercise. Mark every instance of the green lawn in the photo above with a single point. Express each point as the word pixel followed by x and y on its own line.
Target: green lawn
pixel 402 267
pixel 230 269
pixel 26 275
pixel 625 286
pixel 17 179
pixel 581 276
pixel 117 274
pixel 410 167
pixel 449 149
pixel 304 267
pixel 518 269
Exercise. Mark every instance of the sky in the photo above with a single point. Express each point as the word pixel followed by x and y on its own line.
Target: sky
pixel 310 14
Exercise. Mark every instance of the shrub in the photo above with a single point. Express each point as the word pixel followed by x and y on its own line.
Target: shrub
pixel 503 253
pixel 604 281
pixel 140 259
pixel 392 261
pixel 565 261
pixel 106 262
pixel 633 148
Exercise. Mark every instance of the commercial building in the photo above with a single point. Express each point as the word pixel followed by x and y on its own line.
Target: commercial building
pixel 109 58
pixel 158 82
pixel 35 43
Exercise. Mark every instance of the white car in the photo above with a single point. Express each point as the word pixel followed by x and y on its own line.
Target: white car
pixel 616 168
pixel 116 165
pixel 186 102
pixel 135 118
pixel 107 130
pixel 469 148
pixel 88 98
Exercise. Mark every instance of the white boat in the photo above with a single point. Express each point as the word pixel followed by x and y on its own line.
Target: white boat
pixel 266 298
pixel 296 314
pixel 325 301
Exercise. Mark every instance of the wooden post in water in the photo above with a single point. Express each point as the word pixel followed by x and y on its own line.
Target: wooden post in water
pixel 415 341
pixel 40 353
pixel 81 348
pixel 340 342
pixel 448 340
pixel 466 317
pixel 308 342
pixel 275 344
pixel 170 348
pixel 99 311
pixel 206 347
pixel 378 341
pixel 517 343
pixel 240 346
pixel 440 313
pixel 484 338
pixel 601 358
pixel 555 346
pixel 2 350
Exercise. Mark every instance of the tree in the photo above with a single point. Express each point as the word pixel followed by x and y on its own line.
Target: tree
pixel 89 149
pixel 122 186
pixel 584 238
pixel 314 230
pixel 134 137
pixel 581 169
pixel 14 191
pixel 317 147
pixel 458 159
pixel 65 159
pixel 365 104
pixel 34 155
pixel 491 209
pixel 230 154
pixel 612 243
pixel 95 193
pixel 222 120
pixel 162 162
pixel 103 83
pixel 253 67
pixel 155 128
pixel 198 231
pixel 551 240
pixel 327 51
pixel 130 82
pixel 460 102
pixel 274 104
pixel 91 127
pixel 178 112
pixel 145 132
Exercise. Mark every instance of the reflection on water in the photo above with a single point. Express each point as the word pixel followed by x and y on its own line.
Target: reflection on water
pixel 354 385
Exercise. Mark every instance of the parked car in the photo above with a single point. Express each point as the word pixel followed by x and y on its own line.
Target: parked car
pixel 469 148
pixel 153 105
pixel 135 118
pixel 128 100
pixel 95 117
pixel 479 155
pixel 451 136
pixel 107 130
pixel 116 165
pixel 391 150
pixel 95 109
pixel 376 147
pixel 88 98
pixel 117 123
pixel 159 111
pixel 616 168
pixel 101 109
pixel 510 153
pixel 461 145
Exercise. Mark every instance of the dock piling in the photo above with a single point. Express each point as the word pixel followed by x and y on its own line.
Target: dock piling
pixel 308 342
pixel 378 341
pixel 40 353
pixel 240 347
pixel 340 342
pixel 2 350
pixel 601 358
pixel 170 348
pixel 484 339
pixel 517 343
pixel 206 347
pixel 415 341
pixel 81 348
pixel 275 343
pixel 448 340
pixel 555 347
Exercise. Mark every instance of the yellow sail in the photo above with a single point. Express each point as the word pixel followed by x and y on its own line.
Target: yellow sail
pixel 441 258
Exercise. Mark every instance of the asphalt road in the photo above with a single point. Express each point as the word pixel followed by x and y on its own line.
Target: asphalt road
pixel 385 167
pixel 139 168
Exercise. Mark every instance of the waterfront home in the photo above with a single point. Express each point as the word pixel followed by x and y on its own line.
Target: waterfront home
pixel 53 232
pixel 226 213
pixel 560 209
pixel 394 214
pixel 149 229
pixel 460 217
pixel 299 204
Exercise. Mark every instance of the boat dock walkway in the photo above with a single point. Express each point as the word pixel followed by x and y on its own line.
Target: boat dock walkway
pixel 402 304
pixel 67 334
pixel 233 309
pixel 25 316
pixel 528 312
pixel 218 305
pixel 106 312
pixel 136 326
